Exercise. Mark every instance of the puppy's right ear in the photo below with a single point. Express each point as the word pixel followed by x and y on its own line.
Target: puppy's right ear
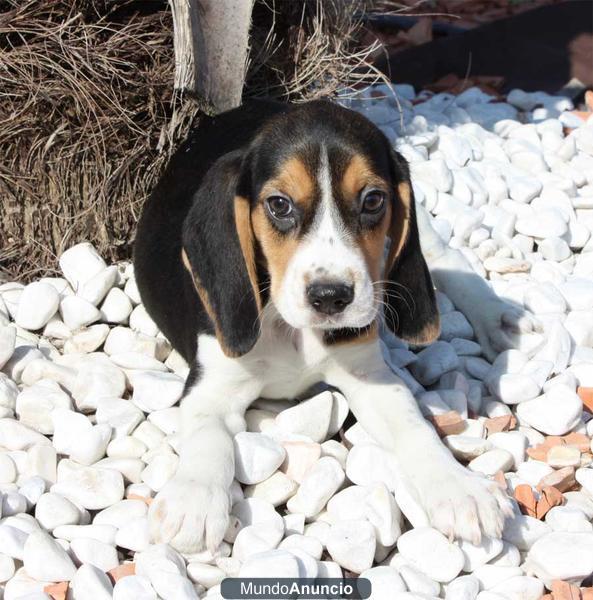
pixel 219 253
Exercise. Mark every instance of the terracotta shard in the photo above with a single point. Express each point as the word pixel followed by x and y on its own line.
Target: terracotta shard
pixel 498 424
pixel 123 570
pixel 526 499
pixel 57 591
pixel 561 590
pixel 579 440
pixel 586 395
pixel 549 498
pixel 449 423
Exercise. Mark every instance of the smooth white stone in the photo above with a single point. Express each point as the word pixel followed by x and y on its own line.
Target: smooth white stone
pixel 523 531
pixel 134 535
pixel 96 553
pixel 136 361
pixel 544 298
pixel 308 544
pixel 32 489
pixel 206 575
pixel 101 533
pixel 75 436
pixel 349 503
pixel 90 582
pixel 352 545
pixel 95 289
pixel 6 567
pixel 272 563
pixel 583 501
pixel 490 576
pixel 256 457
pixel 336 450
pixel 428 550
pixel 7 343
pixel 34 405
pixel 257 538
pixel 477 555
pixel 130 468
pixel 384 582
pixel 121 513
pixel 384 514
pixel 554 413
pixel 134 587
pixel 150 434
pixel 554 248
pixel 13 503
pixel 579 325
pixel 37 305
pixel 166 571
pixel 568 519
pixel 339 413
pixel 466 448
pixel 549 223
pixel 16 436
pixel 368 464
pixel 45 560
pixel 80 264
pixel 492 461
pixel 463 588
pixel 154 390
pixel 318 486
pixel 417 582
pixel 533 471
pixel 455 325
pixel 92 488
pixel 513 442
pixel 12 541
pixel 126 447
pixel 585 478
pixel 77 312
pixel 578 293
pixel 7 469
pixel 53 510
pixel 140 321
pixel 434 361
pixel 168 420
pixel 434 172
pixel 121 415
pixel 87 340
pixel 276 489
pixel 116 307
pixel 310 418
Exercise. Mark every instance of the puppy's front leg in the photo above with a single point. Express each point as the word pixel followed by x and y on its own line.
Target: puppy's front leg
pixel 457 502
pixel 191 512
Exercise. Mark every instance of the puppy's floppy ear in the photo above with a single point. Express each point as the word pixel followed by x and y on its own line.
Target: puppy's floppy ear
pixel 219 253
pixel 411 311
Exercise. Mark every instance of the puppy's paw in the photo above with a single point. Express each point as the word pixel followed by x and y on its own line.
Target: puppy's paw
pixel 497 325
pixel 189 515
pixel 463 505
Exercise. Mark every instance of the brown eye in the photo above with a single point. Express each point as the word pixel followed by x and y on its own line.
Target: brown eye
pixel 279 207
pixel 373 202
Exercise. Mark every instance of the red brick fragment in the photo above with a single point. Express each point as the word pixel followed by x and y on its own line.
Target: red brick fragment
pixel 502 423
pixel 549 498
pixel 526 499
pixel 562 590
pixel 586 395
pixel 123 570
pixel 57 591
pixel 449 423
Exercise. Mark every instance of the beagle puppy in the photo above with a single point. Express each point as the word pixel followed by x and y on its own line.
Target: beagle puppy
pixel 260 255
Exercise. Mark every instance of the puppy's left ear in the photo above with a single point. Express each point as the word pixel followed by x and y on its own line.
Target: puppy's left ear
pixel 411 311
pixel 219 255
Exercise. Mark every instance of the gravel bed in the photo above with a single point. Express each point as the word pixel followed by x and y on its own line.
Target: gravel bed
pixel 89 393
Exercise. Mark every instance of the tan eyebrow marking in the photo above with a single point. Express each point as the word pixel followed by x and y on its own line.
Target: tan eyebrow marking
pixel 294 179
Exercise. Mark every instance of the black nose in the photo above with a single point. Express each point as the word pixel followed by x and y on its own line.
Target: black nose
pixel 330 298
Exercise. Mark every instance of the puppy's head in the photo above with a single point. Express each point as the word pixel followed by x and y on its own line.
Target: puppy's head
pixel 319 196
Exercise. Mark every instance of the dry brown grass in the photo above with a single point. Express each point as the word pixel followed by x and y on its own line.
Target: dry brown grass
pixel 88 117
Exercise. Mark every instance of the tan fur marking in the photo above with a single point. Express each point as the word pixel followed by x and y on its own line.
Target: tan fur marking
pixel 294 180
pixel 246 241
pixel 277 249
pixel 400 224
pixel 203 294
pixel 357 175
